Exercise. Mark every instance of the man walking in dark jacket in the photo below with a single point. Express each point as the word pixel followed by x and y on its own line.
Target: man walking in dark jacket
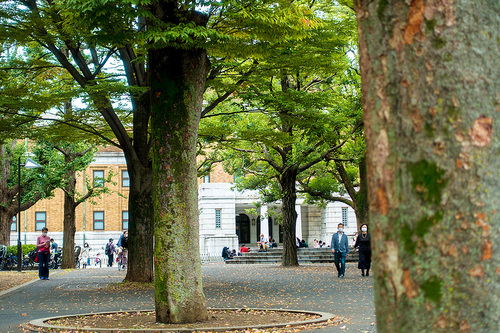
pixel 340 249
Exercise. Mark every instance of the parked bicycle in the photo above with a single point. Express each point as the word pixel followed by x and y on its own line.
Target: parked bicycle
pixel 10 262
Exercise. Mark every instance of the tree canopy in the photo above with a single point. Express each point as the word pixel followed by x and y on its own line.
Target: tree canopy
pixel 299 105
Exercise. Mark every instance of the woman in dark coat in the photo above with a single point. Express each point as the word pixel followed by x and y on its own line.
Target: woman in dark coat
pixel 365 251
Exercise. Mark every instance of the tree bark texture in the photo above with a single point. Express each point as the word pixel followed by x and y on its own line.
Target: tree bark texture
pixel 288 182
pixel 5 223
pixel 6 196
pixel 139 167
pixel 361 197
pixel 177 84
pixel 140 208
pixel 69 227
pixel 430 81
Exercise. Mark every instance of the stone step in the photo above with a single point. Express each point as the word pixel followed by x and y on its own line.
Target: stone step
pixel 274 256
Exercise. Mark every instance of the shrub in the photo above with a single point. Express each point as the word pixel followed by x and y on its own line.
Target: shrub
pixel 27 248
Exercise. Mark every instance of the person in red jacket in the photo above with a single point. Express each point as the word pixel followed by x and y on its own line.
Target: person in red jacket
pixel 244 249
pixel 43 246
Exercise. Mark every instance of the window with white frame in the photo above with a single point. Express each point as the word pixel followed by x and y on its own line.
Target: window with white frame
pixel 217 218
pixel 98 178
pixel 125 179
pixel 40 220
pixel 125 220
pixel 344 216
pixel 99 220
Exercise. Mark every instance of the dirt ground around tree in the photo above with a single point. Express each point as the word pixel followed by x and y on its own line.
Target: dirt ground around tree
pixel 217 318
pixel 11 279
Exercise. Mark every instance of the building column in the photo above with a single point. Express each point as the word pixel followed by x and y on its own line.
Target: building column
pixel 298 223
pixel 264 225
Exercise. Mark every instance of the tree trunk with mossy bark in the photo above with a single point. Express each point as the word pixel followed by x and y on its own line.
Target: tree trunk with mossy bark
pixel 178 79
pixel 140 224
pixel 430 80
pixel 289 192
pixel 7 195
pixel 5 225
pixel 361 208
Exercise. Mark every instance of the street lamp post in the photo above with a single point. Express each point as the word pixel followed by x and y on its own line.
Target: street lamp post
pixel 30 164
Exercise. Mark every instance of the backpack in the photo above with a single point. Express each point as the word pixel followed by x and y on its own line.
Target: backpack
pixel 107 251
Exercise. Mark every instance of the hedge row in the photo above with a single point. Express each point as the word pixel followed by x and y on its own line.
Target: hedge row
pixel 27 248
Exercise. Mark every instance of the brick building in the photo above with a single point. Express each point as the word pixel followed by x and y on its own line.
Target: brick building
pixel 227 217
pixel 97 219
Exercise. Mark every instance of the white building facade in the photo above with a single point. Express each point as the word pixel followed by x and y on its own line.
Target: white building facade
pixel 230 218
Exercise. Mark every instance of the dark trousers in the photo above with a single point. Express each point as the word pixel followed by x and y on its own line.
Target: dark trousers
pixel 56 258
pixel 43 264
pixel 340 262
pixel 110 260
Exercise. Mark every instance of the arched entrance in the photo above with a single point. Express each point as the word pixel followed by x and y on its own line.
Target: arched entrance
pixel 243 228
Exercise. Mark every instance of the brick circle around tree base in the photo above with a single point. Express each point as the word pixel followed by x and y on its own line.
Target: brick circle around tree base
pixel 305 318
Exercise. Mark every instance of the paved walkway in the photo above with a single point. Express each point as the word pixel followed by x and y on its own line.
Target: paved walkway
pixel 309 287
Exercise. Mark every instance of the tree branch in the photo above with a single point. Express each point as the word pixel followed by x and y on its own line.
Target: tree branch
pixel 67 123
pixel 322 195
pixel 229 92
pixel 269 160
pixel 345 180
pixel 328 152
pixel 232 113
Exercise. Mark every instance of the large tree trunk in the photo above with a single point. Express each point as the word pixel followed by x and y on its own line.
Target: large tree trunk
pixel 69 228
pixel 430 78
pixel 5 223
pixel 6 197
pixel 360 199
pixel 177 84
pixel 140 203
pixel 288 182
pixel 140 208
